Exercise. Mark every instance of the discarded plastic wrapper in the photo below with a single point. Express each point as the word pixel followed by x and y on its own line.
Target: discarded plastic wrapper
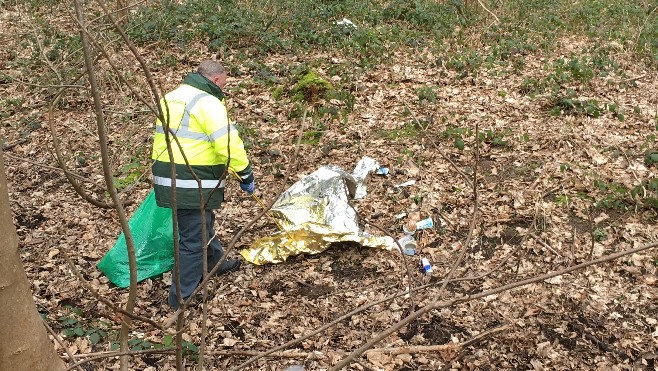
pixel 425 224
pixel 314 213
pixel 363 168
pixel 406 184
pixel 346 23
pixel 382 171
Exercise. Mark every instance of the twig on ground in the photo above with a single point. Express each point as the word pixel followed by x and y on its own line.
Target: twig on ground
pixel 541 242
pixel 59 340
pixel 44 166
pixel 434 348
pixel 489 11
pixel 473 341
pixel 287 354
pixel 9 146
pixel 633 79
pixel 599 343
pixel 130 353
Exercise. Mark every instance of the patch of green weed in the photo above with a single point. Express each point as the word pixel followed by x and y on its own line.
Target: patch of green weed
pixel 426 94
pixel 310 87
pixel 409 130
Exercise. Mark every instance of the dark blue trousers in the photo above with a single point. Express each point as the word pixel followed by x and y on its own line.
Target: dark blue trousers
pixel 191 251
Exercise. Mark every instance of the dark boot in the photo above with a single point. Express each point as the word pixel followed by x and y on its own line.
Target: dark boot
pixel 228 266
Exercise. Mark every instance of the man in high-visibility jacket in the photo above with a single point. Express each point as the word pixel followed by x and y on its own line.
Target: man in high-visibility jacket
pixel 203 142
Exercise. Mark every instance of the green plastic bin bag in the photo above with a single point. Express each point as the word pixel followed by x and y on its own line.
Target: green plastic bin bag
pixel 151 228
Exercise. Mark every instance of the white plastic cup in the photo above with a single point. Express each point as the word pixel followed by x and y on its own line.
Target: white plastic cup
pixel 408 244
pixel 427 267
pixel 425 224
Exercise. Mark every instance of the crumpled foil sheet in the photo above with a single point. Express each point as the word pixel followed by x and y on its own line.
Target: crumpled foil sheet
pixel 314 213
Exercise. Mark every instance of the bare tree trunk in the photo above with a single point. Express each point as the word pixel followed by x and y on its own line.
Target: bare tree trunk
pixel 24 343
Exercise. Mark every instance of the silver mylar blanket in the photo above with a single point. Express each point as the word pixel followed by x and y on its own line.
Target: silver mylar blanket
pixel 314 213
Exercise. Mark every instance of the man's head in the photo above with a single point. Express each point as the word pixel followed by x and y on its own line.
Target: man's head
pixel 213 71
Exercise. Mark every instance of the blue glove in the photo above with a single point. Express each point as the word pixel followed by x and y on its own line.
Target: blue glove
pixel 249 188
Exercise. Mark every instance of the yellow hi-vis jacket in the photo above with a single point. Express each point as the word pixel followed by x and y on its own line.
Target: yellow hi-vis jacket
pixel 205 142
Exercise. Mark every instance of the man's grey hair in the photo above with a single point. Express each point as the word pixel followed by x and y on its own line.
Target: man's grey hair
pixel 210 69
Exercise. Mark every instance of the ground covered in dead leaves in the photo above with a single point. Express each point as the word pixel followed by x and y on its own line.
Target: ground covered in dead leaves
pixel 547 182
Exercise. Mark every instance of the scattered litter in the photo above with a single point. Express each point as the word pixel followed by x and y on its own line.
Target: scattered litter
pixel 363 168
pixel 409 227
pixel 408 244
pixel 427 267
pixel 406 184
pixel 425 224
pixel 346 23
pixel 382 171
pixel 399 216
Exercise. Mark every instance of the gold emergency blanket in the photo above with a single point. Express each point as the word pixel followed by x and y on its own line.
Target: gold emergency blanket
pixel 314 213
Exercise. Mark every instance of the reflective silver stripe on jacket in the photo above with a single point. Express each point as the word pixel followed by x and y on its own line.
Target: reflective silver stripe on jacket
pixel 184 130
pixel 205 183
pixel 221 132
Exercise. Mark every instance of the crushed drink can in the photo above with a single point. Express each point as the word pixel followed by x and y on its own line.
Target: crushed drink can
pixel 427 267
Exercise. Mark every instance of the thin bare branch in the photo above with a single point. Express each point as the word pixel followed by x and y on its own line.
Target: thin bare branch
pixel 59 156
pixel 541 242
pixel 147 71
pixel 489 11
pixel 466 298
pixel 433 348
pixel 406 265
pixel 59 340
pixel 109 180
pixel 130 353
pixel 108 58
pixel 360 310
pixel 44 166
